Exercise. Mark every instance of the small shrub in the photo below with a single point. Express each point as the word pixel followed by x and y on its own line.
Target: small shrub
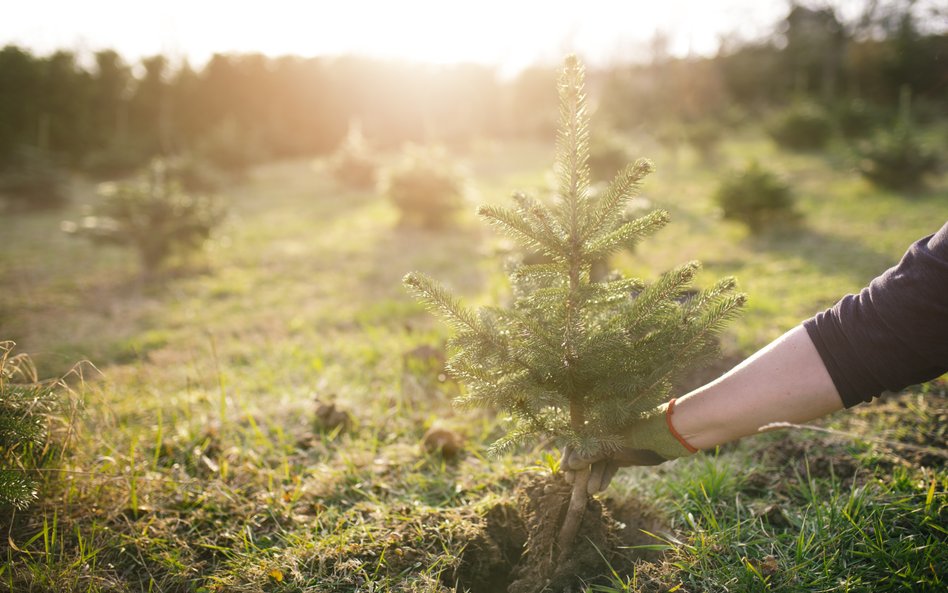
pixel 568 361
pixel 756 197
pixel 805 126
pixel 897 159
pixel 194 174
pixel 230 148
pixel 426 187
pixel 32 180
pixel 25 408
pixel 856 119
pixel 704 137
pixel 353 165
pixel 354 169
pixel 151 215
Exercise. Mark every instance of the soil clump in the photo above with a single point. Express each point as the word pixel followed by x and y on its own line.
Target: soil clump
pixel 515 548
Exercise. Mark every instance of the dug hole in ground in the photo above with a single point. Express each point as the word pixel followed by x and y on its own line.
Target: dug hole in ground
pixel 515 550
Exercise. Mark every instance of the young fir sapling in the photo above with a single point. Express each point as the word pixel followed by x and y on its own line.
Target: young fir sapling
pixel 572 359
pixel 152 215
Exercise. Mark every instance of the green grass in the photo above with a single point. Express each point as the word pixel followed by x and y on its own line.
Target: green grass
pixel 199 466
pixel 831 520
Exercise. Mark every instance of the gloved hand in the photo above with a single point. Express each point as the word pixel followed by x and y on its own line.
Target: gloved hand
pixel 648 441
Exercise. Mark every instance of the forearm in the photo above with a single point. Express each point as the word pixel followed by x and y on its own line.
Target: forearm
pixel 786 381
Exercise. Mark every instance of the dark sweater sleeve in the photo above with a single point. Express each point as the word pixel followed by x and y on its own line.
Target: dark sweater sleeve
pixel 894 333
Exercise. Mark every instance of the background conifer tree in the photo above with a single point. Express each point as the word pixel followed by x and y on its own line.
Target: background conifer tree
pixel 152 215
pixel 574 359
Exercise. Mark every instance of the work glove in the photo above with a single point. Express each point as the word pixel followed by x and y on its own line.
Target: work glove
pixel 648 441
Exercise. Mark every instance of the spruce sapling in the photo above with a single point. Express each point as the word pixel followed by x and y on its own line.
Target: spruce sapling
pixel 153 216
pixel 572 359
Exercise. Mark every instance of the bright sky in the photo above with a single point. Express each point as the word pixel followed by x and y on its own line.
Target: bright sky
pixel 510 33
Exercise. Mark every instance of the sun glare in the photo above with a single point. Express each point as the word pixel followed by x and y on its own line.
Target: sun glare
pixel 422 31
pixel 508 34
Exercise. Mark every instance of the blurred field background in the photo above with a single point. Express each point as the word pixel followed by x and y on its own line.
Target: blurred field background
pixel 247 405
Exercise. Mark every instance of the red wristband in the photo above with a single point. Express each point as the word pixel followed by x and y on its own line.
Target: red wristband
pixel 668 420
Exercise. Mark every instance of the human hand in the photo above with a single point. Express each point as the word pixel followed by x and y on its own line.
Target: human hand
pixel 648 441
pixel 602 468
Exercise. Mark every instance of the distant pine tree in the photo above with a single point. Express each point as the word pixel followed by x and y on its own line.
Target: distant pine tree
pixel 354 165
pixel 574 359
pixel 152 215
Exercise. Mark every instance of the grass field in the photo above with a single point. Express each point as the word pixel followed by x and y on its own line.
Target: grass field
pixel 200 464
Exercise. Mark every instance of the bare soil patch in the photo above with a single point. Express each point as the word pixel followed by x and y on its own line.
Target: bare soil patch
pixel 515 548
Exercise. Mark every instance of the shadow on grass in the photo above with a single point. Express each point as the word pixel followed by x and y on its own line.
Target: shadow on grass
pixel 831 254
pixel 451 255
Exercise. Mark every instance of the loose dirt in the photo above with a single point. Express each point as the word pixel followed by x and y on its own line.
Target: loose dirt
pixel 515 549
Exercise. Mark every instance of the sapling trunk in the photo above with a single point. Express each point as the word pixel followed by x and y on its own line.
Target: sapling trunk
pixel 577 410
pixel 574 513
pixel 574 172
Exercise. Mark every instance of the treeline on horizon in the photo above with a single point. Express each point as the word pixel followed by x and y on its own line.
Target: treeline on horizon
pixel 239 109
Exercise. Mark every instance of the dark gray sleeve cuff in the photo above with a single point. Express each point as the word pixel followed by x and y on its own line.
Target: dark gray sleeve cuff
pixel 850 382
pixel 894 332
